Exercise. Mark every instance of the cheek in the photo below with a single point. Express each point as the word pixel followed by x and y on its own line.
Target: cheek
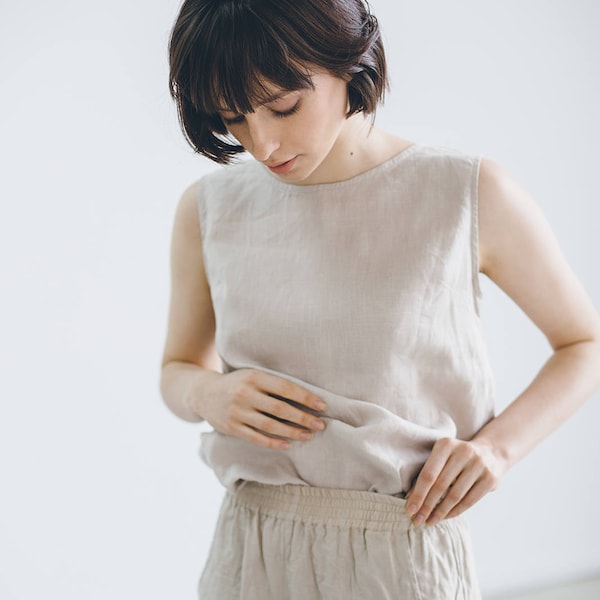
pixel 331 124
pixel 338 98
pixel 335 108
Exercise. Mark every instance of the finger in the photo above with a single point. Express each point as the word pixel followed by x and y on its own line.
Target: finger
pixel 483 479
pixel 428 476
pixel 265 423
pixel 283 411
pixel 454 495
pixel 288 391
pixel 458 463
pixel 255 409
pixel 475 494
pixel 412 486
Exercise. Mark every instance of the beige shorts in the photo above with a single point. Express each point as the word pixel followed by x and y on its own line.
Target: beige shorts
pixel 304 543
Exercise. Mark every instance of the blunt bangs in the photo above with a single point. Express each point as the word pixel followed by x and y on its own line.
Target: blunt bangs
pixel 230 71
pixel 223 53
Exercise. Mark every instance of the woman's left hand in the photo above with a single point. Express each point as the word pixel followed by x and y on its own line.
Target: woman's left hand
pixel 456 475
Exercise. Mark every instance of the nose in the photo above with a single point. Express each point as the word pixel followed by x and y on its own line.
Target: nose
pixel 263 136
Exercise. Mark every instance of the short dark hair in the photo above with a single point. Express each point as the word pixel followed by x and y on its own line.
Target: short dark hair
pixel 221 52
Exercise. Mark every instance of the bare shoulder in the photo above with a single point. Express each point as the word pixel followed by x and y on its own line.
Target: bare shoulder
pixel 504 207
pixel 186 242
pixel 190 194
pixel 187 224
pixel 520 253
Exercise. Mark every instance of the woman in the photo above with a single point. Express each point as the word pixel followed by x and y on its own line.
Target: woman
pixel 325 313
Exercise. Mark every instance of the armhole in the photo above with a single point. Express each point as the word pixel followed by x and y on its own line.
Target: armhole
pixel 201 208
pixel 474 198
pixel 202 218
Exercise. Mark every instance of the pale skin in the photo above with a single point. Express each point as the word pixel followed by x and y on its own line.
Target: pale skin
pixel 330 147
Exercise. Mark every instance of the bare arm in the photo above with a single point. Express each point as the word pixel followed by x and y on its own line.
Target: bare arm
pixel 519 252
pixel 189 356
pixel 249 404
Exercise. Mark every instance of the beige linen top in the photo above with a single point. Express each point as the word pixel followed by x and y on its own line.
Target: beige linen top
pixel 366 293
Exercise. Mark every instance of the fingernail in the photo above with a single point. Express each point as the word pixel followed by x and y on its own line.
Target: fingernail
pixel 306 435
pixel 411 509
pixel 318 425
pixel 284 445
pixel 433 521
pixel 320 405
pixel 419 520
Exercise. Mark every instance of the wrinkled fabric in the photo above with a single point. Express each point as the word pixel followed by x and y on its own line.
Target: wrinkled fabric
pixel 364 292
pixel 303 543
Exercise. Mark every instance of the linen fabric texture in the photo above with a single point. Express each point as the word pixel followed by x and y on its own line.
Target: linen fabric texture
pixel 366 293
pixel 297 542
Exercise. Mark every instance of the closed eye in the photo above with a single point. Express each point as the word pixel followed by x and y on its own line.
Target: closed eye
pixel 286 113
pixel 280 114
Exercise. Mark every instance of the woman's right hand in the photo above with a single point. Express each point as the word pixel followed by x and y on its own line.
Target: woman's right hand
pixel 259 407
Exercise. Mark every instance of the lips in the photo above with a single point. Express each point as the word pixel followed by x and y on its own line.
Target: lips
pixel 281 168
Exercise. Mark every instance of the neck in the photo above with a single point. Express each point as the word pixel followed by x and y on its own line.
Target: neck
pixel 360 147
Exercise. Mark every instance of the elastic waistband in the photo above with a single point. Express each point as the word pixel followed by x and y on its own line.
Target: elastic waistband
pixel 342 508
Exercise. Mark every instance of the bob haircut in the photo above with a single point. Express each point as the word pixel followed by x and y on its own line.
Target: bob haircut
pixel 221 52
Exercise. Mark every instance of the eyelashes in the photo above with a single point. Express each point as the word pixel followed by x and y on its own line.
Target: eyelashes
pixel 287 113
pixel 276 113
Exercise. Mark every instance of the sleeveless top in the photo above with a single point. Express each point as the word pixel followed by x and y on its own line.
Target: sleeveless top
pixel 364 292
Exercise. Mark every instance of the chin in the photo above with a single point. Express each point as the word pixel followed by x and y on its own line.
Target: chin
pixel 305 173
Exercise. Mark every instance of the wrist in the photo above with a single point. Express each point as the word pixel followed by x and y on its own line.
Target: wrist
pixel 197 395
pixel 499 454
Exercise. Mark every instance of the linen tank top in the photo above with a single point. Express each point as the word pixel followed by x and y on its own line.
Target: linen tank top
pixel 364 292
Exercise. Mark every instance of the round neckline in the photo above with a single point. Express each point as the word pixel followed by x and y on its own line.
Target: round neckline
pixel 312 187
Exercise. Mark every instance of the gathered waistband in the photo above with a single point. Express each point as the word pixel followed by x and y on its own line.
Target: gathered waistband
pixel 342 508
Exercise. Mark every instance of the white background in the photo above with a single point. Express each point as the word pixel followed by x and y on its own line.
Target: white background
pixel 102 492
